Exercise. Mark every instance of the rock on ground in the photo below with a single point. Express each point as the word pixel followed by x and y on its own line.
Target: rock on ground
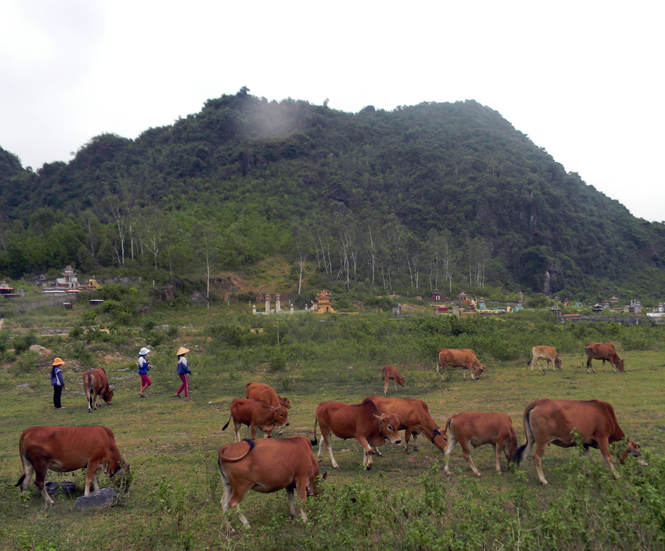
pixel 101 498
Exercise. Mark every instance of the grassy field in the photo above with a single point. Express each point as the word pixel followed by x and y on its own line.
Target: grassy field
pixel 405 502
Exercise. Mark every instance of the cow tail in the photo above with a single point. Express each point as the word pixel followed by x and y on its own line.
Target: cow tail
pixel 314 442
pixel 221 459
pixel 517 458
pixel 20 450
pixel 227 423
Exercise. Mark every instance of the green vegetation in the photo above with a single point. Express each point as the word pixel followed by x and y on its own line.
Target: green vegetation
pixel 432 195
pixel 405 502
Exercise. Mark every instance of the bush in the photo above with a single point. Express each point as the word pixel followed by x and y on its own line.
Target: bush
pixel 23 342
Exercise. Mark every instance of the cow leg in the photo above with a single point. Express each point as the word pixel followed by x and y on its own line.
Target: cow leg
pixel 603 446
pixel 29 472
pixel 367 452
pixel 326 438
pixel 541 369
pixel 537 456
pixel 497 453
pixel 236 429
pixel 95 484
pixel 589 364
pixel 40 480
pixel 466 453
pixel 232 498
pixel 415 441
pixel 90 476
pixel 473 374
pixel 88 395
pixel 449 449
pixel 376 451
pixel 407 436
pixel 386 383
pixel 301 488
pixel 464 373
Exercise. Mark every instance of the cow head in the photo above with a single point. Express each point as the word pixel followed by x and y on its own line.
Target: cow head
pixel 120 469
pixel 313 485
pixel 280 416
pixel 479 369
pixel 400 380
pixel 619 364
pixel 107 395
pixel 439 439
pixel 284 402
pixel 389 427
pixel 557 362
pixel 633 448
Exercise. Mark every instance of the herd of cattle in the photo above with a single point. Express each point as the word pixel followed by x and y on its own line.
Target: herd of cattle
pixel 272 464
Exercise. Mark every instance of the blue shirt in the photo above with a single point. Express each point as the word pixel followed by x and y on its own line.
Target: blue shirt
pixel 144 365
pixel 56 376
pixel 183 369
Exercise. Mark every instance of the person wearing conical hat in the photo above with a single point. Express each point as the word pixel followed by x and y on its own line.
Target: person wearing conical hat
pixel 58 383
pixel 183 372
pixel 144 367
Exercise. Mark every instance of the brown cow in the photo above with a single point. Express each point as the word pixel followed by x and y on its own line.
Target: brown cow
pixel 547 353
pixel 260 391
pixel 360 421
pixel 459 357
pixel 414 419
pixel 554 422
pixel 478 429
pixel 267 466
pixel 256 414
pixel 95 384
pixel 602 351
pixel 390 374
pixel 66 449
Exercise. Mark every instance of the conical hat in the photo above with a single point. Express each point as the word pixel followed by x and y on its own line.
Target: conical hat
pixel 182 350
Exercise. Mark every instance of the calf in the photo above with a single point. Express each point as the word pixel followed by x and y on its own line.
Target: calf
pixel 390 374
pixel 554 422
pixel 478 429
pixel 66 449
pixel 267 466
pixel 602 351
pixel 260 391
pixel 547 353
pixel 256 414
pixel 459 357
pixel 360 421
pixel 414 419
pixel 96 384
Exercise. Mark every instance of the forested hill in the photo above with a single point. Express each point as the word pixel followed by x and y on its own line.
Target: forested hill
pixel 432 194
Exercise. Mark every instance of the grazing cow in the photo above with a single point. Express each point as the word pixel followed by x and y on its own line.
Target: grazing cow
pixel 459 357
pixel 360 421
pixel 259 391
pixel 554 422
pixel 414 419
pixel 256 414
pixel 390 374
pixel 96 384
pixel 268 466
pixel 478 429
pixel 602 351
pixel 66 449
pixel 547 353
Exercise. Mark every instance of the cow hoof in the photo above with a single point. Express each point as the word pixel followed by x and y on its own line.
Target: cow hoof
pixel 544 483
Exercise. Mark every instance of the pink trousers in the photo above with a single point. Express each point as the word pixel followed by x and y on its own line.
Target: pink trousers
pixel 184 386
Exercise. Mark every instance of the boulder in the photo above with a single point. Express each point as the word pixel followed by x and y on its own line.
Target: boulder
pixel 101 498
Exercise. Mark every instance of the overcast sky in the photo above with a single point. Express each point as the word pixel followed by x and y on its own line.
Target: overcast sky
pixel 584 80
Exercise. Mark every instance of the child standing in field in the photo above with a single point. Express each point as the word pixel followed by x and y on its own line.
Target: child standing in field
pixel 58 383
pixel 183 372
pixel 144 367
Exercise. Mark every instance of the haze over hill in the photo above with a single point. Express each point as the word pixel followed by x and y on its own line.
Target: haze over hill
pixel 429 195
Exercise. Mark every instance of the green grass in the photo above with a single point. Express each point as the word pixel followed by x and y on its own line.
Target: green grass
pixel 405 502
